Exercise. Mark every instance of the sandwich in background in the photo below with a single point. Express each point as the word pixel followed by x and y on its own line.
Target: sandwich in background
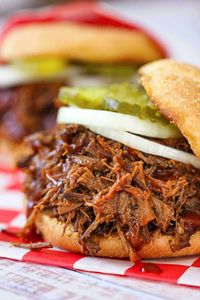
pixel 73 44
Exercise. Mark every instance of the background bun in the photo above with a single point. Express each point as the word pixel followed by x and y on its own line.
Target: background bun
pixel 78 42
pixel 174 88
pixel 111 246
pixel 11 152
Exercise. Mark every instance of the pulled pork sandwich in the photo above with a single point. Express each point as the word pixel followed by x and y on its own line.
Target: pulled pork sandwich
pixel 119 176
pixel 73 44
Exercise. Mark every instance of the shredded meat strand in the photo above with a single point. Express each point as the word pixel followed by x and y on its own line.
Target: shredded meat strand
pixel 27 108
pixel 33 246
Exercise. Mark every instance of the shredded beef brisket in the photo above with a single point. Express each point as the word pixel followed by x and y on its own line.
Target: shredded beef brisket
pixel 102 187
pixel 27 108
pixel 33 246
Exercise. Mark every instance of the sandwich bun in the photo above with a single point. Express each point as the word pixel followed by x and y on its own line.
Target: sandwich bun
pixel 65 237
pixel 174 88
pixel 11 152
pixel 78 42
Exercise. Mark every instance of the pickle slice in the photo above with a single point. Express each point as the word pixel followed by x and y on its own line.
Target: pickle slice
pixel 114 70
pixel 40 66
pixel 124 98
pixel 141 111
pixel 83 97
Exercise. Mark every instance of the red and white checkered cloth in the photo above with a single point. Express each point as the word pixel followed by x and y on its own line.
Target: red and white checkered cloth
pixel 181 271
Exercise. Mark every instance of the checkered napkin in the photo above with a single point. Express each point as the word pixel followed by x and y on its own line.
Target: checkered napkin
pixel 180 271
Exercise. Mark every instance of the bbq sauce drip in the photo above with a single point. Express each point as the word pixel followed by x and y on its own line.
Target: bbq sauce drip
pixel 150 268
pixel 29 207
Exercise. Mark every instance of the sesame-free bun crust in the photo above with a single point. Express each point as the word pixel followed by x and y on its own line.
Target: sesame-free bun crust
pixel 78 43
pixel 11 152
pixel 110 246
pixel 174 88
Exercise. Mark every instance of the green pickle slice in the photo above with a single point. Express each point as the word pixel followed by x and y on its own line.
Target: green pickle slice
pixel 124 98
pixel 40 66
pixel 114 70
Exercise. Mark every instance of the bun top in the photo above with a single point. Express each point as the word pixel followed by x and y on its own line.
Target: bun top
pixel 78 32
pixel 174 88
pixel 78 43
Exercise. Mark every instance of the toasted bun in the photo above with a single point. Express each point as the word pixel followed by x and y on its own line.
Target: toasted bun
pixel 11 152
pixel 79 43
pixel 110 246
pixel 175 89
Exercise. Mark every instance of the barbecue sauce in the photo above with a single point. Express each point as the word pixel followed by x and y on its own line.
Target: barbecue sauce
pixel 150 268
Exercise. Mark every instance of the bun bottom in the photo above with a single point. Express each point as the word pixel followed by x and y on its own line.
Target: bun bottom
pixel 10 152
pixel 112 246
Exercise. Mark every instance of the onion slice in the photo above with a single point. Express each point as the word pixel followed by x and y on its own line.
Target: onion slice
pixel 10 76
pixel 147 146
pixel 116 121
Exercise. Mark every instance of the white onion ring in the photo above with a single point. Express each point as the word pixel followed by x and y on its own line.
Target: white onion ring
pixel 116 121
pixel 10 76
pixel 144 145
